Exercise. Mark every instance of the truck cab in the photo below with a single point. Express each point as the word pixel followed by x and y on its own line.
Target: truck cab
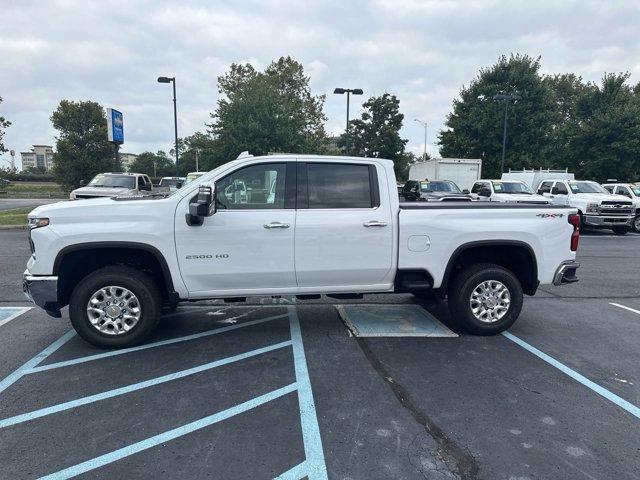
pixel 506 191
pixel 597 207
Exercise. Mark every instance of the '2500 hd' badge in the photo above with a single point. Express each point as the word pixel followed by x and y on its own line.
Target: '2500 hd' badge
pixel 207 257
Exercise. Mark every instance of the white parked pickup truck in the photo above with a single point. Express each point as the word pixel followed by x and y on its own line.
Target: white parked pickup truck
pixel 333 226
pixel 596 206
pixel 506 191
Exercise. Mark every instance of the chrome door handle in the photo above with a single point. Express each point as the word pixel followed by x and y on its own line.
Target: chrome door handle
pixel 276 225
pixel 374 223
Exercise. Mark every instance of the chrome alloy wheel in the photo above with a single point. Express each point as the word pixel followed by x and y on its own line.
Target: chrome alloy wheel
pixel 113 310
pixel 490 301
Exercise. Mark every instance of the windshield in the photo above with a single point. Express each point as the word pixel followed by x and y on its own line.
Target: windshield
pixel 511 187
pixel 171 182
pixel 586 187
pixel 113 181
pixel 439 186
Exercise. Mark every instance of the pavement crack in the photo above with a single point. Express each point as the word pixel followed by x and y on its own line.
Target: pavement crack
pixel 459 461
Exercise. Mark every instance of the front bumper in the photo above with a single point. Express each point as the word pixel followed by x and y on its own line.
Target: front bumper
pixel 42 291
pixel 608 221
pixel 566 273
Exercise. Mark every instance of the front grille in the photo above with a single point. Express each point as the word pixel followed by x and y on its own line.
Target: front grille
pixel 31 245
pixel 616 211
pixel 89 196
pixel 533 202
pixel 614 202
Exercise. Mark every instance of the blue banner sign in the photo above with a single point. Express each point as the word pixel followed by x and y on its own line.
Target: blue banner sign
pixel 115 126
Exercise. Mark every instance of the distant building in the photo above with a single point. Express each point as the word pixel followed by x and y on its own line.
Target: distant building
pixel 126 159
pixel 40 156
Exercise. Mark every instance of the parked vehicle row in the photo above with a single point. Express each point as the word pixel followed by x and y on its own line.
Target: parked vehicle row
pixel 333 226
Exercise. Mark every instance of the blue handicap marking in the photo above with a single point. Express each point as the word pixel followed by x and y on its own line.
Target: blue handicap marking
pixel 370 320
pixel 9 313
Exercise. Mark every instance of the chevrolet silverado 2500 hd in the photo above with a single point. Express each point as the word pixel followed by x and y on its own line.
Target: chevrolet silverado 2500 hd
pixel 331 225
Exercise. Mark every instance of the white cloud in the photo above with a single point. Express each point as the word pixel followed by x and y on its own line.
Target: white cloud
pixel 421 51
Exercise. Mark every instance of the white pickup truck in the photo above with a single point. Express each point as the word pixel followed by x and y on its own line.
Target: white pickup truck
pixel 333 226
pixel 506 191
pixel 596 206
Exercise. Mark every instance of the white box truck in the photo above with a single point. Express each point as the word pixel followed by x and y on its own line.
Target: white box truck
pixel 462 171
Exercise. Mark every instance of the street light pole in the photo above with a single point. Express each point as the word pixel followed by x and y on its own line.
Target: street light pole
pixel 424 124
pixel 197 152
pixel 348 91
pixel 175 113
pixel 506 98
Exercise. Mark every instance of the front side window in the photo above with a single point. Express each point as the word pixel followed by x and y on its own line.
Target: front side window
pixel 335 185
pixel 476 187
pixel 560 189
pixel 255 187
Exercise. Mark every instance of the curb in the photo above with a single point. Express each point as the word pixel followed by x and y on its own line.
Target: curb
pixel 13 227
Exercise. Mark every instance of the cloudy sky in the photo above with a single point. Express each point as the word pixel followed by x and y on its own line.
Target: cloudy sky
pixel 423 51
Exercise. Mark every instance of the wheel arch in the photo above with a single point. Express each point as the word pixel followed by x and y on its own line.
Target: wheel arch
pixel 76 261
pixel 514 255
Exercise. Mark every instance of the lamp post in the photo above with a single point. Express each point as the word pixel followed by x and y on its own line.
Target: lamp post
pixel 175 113
pixel 348 91
pixel 505 98
pixel 424 124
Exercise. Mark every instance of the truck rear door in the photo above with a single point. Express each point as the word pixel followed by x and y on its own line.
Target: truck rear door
pixel 344 228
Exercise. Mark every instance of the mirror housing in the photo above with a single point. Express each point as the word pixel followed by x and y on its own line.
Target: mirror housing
pixel 82 183
pixel 203 205
pixel 465 191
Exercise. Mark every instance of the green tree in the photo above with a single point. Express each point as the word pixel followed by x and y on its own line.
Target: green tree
pixel 269 111
pixel 202 145
pixel 377 133
pixel 153 164
pixel 82 149
pixel 4 124
pixel 474 128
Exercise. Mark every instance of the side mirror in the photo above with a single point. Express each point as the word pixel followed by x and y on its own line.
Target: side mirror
pixel 204 205
pixel 484 192
pixel 82 183
pixel 178 185
pixel 465 191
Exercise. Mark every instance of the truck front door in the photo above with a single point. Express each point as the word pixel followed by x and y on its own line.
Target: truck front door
pixel 248 243
pixel 344 226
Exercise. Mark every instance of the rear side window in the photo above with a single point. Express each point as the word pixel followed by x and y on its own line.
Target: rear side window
pixel 545 187
pixel 334 185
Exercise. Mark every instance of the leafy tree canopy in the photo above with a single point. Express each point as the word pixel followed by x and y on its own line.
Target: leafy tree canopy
pixel 82 149
pixel 269 111
pixel 377 133
pixel 4 123
pixel 153 164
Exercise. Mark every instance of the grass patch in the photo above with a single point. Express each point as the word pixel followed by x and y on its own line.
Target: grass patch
pixel 17 216
pixel 34 190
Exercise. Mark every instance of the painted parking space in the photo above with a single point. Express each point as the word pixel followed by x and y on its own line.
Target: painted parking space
pixel 311 465
pixel 9 313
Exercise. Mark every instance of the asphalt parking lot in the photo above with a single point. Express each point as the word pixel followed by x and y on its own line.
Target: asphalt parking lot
pixel 274 388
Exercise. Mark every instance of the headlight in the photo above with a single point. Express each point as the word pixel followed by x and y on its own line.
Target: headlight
pixel 592 208
pixel 37 222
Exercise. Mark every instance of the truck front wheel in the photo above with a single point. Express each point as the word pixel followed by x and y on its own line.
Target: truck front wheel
pixel 115 307
pixel 485 299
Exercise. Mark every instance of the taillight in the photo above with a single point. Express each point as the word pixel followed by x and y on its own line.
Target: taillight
pixel 574 219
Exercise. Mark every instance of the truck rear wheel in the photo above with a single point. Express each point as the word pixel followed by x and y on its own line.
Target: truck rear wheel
pixel 115 307
pixel 485 299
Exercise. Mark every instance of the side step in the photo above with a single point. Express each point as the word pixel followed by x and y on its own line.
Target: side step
pixel 345 296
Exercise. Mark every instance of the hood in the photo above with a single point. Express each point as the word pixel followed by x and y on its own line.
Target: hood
pixel 440 195
pixel 100 191
pixel 600 197
pixel 516 197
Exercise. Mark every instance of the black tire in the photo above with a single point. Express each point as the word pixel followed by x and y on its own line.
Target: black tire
pixel 620 230
pixel 636 224
pixel 137 282
pixel 462 287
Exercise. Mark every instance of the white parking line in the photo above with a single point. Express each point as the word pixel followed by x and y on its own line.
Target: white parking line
pixel 621 402
pixel 625 307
